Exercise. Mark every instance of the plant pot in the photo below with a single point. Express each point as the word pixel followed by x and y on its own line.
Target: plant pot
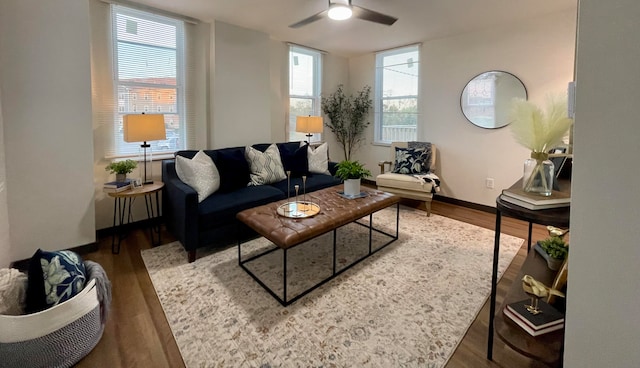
pixel 352 187
pixel 553 263
pixel 121 177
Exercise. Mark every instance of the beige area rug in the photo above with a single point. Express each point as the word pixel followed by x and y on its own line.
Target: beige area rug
pixel 409 305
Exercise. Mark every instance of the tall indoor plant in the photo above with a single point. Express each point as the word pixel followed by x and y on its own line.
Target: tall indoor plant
pixel 347 117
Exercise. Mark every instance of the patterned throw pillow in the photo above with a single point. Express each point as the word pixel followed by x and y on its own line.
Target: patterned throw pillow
pixel 265 167
pixel 411 161
pixel 54 277
pixel 200 173
pixel 319 159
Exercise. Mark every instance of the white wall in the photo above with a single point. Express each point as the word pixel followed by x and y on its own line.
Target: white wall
pixel 279 87
pixel 45 79
pixel 602 324
pixel 540 52
pixel 242 107
pixel 5 244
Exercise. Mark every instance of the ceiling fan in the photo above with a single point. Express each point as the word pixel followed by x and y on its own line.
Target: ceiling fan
pixel 343 9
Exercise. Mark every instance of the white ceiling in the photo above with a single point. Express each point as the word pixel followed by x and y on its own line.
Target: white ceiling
pixel 418 20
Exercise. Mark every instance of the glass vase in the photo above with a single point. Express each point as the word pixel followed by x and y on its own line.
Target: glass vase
pixel 538 174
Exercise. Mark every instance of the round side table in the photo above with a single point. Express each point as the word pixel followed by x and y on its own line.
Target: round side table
pixel 124 216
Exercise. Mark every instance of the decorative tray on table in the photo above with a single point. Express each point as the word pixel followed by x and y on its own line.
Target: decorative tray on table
pixel 298 209
pixel 360 195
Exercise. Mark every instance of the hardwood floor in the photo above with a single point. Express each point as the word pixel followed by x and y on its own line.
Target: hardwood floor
pixel 137 333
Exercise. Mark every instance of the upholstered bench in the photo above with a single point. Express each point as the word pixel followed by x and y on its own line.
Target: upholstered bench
pixel 413 186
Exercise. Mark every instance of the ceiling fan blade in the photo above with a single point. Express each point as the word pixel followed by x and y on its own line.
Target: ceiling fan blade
pixel 372 16
pixel 311 19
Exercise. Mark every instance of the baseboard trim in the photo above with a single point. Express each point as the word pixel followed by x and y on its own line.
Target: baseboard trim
pixel 23 264
pixel 109 231
pixel 461 203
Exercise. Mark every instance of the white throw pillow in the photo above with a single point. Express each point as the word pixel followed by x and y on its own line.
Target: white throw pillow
pixel 319 159
pixel 265 167
pixel 200 173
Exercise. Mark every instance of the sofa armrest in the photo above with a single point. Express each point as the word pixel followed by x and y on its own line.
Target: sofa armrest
pixel 382 163
pixel 179 207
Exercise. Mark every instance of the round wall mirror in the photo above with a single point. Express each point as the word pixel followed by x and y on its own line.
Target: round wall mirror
pixel 486 99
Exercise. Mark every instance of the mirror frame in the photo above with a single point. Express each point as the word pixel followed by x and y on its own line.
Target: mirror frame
pixel 462 94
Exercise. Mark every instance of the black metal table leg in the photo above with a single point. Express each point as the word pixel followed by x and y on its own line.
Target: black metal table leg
pixel 494 281
pixel 529 238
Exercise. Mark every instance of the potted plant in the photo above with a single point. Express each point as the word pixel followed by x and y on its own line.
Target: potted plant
pixel 347 117
pixel 121 168
pixel 351 172
pixel 554 249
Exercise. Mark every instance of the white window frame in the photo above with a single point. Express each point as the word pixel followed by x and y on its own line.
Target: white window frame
pixel 379 98
pixel 125 149
pixel 316 98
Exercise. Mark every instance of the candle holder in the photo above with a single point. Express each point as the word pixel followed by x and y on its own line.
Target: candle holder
pixel 304 192
pixel 296 208
pixel 288 188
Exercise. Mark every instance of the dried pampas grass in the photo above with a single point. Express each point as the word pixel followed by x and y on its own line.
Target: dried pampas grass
pixel 536 130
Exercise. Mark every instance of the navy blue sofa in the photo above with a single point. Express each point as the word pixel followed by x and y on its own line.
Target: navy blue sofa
pixel 213 221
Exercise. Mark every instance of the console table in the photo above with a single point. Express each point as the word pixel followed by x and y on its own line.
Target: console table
pixel 548 347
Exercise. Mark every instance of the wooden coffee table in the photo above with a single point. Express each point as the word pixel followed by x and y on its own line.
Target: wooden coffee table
pixel 335 212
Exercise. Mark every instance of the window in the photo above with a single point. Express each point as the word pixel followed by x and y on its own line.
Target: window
pixel 396 95
pixel 148 62
pixel 304 88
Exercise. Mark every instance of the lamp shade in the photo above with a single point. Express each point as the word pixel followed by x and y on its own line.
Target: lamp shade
pixel 309 124
pixel 144 127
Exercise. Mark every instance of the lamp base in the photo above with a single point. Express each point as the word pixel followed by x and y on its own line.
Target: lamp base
pixel 148 182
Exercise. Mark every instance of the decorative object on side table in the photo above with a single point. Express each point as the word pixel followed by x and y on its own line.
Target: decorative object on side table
pixel 351 172
pixel 121 169
pixel 547 320
pixel 540 133
pixel 347 117
pixel 553 249
pixel 535 289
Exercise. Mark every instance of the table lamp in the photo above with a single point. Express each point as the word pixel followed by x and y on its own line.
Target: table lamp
pixel 309 124
pixel 144 128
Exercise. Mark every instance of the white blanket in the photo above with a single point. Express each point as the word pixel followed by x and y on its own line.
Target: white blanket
pixel 430 178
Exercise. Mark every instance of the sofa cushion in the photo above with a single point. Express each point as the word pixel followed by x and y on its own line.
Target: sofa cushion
pixel 294 159
pixel 54 277
pixel 318 159
pixel 221 208
pixel 200 173
pixel 233 168
pixel 314 182
pixel 403 181
pixel 411 161
pixel 265 167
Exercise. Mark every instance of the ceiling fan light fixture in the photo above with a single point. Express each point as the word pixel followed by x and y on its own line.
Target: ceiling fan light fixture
pixel 339 12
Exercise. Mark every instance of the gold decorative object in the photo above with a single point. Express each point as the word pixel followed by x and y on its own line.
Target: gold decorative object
pixel 556 231
pixel 298 209
pixel 535 289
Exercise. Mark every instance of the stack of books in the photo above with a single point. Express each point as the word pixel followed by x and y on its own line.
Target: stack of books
pixel 558 198
pixel 535 324
pixel 116 186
